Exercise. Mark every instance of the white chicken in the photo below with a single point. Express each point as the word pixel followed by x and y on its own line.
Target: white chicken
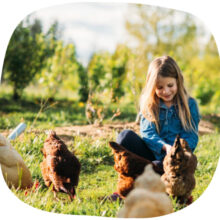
pixel 14 170
pixel 148 198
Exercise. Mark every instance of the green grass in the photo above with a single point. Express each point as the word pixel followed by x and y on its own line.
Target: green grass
pixel 59 112
pixel 98 177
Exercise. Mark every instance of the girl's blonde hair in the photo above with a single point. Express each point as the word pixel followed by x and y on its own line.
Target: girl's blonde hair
pixel 164 66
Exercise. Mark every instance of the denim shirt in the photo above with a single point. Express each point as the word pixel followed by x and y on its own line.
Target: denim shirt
pixel 170 126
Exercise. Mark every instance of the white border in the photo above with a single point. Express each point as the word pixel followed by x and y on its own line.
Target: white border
pixel 13 11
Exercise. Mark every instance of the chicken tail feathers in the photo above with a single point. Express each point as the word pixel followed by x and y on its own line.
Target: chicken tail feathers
pixel 115 146
pixel 177 146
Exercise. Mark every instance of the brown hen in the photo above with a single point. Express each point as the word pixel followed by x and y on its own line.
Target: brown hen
pixel 60 167
pixel 179 167
pixel 129 166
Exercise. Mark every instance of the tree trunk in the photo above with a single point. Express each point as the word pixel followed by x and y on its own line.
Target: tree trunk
pixel 16 95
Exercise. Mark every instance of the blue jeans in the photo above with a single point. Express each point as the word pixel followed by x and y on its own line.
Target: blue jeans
pixel 134 143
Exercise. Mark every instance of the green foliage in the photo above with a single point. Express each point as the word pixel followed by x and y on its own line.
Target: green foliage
pixel 24 58
pixel 203 80
pixel 208 156
pixel 83 82
pixel 204 92
pixel 35 28
pixel 61 64
pixel 136 73
pixel 29 50
pixel 55 32
pixel 108 72
pixel 58 112
pixel 118 70
pixel 211 47
pixel 156 32
pixel 44 60
pixel 98 70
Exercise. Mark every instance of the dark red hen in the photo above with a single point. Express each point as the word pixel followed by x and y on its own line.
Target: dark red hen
pixel 60 167
pixel 129 166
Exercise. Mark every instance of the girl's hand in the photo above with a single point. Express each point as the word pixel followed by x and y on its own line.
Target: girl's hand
pixel 167 148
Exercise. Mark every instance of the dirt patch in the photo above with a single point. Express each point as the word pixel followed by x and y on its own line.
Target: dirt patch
pixel 94 131
pixel 105 131
pixel 206 127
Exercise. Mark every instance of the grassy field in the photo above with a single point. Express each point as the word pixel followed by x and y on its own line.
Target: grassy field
pixel 42 113
pixel 98 177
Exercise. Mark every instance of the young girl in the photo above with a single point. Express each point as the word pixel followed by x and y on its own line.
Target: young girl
pixel 166 111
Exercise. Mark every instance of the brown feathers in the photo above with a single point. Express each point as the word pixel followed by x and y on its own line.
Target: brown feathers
pixel 179 166
pixel 60 167
pixel 129 166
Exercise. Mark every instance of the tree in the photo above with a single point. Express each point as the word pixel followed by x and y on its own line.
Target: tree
pixel 118 70
pixel 98 72
pixel 108 71
pixel 83 82
pixel 158 31
pixel 35 28
pixel 24 58
pixel 58 67
pixel 211 47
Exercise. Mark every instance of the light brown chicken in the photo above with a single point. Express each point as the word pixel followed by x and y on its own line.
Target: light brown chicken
pixel 129 166
pixel 14 170
pixel 179 167
pixel 60 167
pixel 148 198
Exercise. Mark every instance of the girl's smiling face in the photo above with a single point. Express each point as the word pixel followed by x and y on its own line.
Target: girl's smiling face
pixel 166 89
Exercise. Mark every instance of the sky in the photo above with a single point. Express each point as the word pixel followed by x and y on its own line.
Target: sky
pixel 90 26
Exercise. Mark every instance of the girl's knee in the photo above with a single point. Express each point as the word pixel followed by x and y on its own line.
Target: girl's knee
pixel 125 134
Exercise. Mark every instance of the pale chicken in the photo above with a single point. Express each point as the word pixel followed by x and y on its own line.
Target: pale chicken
pixel 148 198
pixel 14 170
